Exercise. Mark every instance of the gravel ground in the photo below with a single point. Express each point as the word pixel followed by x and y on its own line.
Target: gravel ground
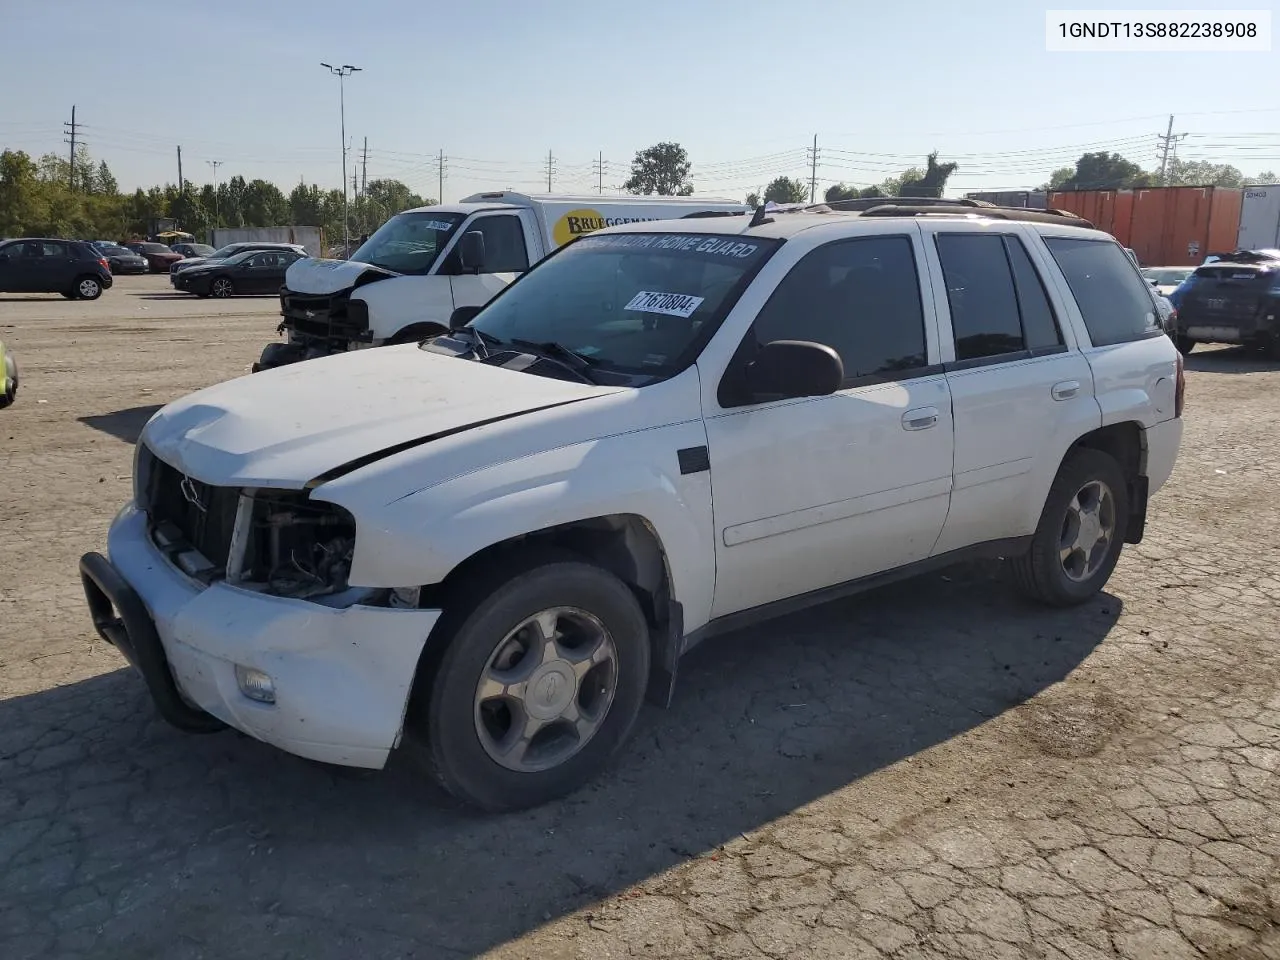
pixel 934 770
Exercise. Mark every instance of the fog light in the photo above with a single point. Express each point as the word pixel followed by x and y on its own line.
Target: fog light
pixel 255 684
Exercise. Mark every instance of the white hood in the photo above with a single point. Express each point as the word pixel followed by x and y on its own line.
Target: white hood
pixel 286 426
pixel 316 275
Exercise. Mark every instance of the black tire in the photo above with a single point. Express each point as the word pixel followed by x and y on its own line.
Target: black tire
pixel 1039 573
pixel 1184 344
pixel 86 287
pixel 484 611
pixel 222 288
pixel 8 381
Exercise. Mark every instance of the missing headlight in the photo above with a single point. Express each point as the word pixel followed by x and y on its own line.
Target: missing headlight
pixel 297 547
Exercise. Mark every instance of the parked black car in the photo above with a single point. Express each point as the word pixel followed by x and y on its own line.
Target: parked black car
pixel 192 249
pixel 1234 299
pixel 70 267
pixel 230 250
pixel 254 271
pixel 121 259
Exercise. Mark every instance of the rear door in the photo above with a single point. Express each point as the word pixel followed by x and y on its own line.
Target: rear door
pixel 53 266
pixel 1020 393
pixel 506 254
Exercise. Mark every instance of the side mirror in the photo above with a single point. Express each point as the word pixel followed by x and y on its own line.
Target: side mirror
pixel 784 369
pixel 462 316
pixel 471 251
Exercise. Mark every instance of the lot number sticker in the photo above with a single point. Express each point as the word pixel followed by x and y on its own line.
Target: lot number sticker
pixel 670 304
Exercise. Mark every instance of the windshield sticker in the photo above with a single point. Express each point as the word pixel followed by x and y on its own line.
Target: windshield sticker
pixel 681 242
pixel 443 226
pixel 669 304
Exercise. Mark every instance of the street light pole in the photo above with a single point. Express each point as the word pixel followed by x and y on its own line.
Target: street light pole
pixel 215 164
pixel 342 73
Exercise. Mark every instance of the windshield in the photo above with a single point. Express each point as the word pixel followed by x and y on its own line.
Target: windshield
pixel 111 250
pixel 198 249
pixel 408 242
pixel 632 303
pixel 155 248
pixel 1168 277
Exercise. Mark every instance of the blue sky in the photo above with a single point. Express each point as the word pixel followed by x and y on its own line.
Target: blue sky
pixel 743 85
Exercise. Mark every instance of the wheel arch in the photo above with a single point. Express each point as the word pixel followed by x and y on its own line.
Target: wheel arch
pixel 1126 443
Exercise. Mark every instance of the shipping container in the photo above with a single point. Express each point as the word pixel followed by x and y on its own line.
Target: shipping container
pixel 1260 218
pixel 1031 199
pixel 1165 226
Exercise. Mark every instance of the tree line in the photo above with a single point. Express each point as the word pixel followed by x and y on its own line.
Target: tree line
pixel 52 197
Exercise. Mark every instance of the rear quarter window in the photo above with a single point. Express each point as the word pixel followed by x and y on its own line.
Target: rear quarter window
pixel 1113 298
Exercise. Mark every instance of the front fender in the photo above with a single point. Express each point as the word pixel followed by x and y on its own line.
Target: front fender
pixel 418 539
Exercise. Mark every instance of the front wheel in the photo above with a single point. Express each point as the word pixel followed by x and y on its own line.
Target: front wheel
pixel 541 681
pixel 1081 532
pixel 222 288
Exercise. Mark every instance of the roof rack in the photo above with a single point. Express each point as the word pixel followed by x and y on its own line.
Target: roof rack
pixel 913 209
pixel 869 203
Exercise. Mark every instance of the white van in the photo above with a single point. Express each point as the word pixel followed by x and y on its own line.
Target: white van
pixel 405 281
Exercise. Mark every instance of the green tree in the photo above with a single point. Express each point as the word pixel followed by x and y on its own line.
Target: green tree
pixel 21 201
pixel 1202 173
pixel 104 182
pixel 753 199
pixel 264 205
pixel 1106 171
pixel 786 190
pixel 1266 176
pixel 662 169
pixel 1059 177
pixel 839 191
pixel 930 183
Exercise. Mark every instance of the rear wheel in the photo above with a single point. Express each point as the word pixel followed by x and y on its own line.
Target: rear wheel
pixel 1184 344
pixel 1081 532
pixel 87 288
pixel 540 683
pixel 222 287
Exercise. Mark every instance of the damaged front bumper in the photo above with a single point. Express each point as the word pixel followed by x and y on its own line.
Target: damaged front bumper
pixel 341 676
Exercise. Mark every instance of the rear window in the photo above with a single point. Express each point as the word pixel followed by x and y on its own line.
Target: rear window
pixel 1113 298
pixel 155 248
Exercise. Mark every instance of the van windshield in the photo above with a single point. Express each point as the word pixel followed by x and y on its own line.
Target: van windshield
pixel 639 304
pixel 408 242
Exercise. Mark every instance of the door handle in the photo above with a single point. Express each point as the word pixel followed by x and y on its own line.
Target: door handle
pixel 921 418
pixel 1065 390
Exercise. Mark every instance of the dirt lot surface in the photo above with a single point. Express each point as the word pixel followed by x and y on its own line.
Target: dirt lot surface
pixel 934 770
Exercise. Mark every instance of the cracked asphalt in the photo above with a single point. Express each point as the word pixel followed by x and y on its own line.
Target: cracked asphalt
pixel 935 770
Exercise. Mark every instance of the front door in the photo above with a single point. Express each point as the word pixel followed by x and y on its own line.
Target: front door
pixel 506 257
pixel 813 492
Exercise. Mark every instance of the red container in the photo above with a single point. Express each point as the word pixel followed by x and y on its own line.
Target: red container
pixel 1165 226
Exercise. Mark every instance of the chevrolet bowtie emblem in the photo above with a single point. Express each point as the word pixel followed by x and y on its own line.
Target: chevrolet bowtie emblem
pixel 190 495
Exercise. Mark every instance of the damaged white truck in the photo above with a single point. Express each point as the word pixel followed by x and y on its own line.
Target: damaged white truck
pixel 498 542
pixel 429 261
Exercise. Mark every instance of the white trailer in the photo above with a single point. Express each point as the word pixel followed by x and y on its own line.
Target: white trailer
pixel 1260 218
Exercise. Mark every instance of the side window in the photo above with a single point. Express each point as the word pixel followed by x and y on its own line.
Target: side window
pixel 1113 298
pixel 1039 325
pixel 48 249
pixel 984 306
pixel 504 249
pixel 861 297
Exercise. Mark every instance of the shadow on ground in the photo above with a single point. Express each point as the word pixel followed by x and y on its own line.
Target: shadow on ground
pixel 1230 360
pixel 125 424
pixel 222 846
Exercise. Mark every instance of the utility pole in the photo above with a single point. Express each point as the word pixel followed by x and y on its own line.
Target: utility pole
pixel 181 189
pixel 813 169
pixel 551 168
pixel 72 129
pixel 600 173
pixel 364 167
pixel 440 175
pixel 1168 149
pixel 215 164
pixel 342 73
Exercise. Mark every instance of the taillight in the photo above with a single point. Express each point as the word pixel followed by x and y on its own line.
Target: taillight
pixel 102 261
pixel 1180 390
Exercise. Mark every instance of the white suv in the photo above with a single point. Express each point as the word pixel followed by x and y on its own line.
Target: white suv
pixel 501 540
